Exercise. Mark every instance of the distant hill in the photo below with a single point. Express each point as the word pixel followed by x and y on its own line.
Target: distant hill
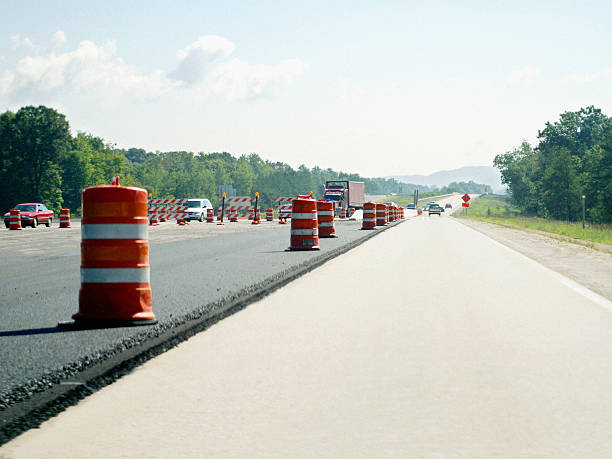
pixel 487 175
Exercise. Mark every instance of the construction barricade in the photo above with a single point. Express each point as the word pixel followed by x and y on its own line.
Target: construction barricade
pixel 167 209
pixel 283 205
pixel 232 216
pixel 64 217
pixel 115 279
pixel 351 211
pixel 381 215
pixel 325 219
pixel 369 216
pixel 210 215
pixel 304 228
pixel 269 214
pixel 15 219
pixel 341 212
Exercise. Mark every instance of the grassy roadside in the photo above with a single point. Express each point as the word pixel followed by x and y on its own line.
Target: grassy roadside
pixel 496 209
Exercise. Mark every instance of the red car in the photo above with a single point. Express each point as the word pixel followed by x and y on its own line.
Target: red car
pixel 32 213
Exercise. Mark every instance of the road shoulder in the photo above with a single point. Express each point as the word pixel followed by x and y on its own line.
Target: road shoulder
pixel 584 265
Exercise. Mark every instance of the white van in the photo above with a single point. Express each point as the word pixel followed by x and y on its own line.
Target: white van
pixel 197 208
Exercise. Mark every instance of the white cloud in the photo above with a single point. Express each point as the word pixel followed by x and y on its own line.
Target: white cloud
pixel 88 68
pixel 18 41
pixel 59 38
pixel 523 75
pixel 196 58
pixel 589 77
pixel 203 72
pixel 237 80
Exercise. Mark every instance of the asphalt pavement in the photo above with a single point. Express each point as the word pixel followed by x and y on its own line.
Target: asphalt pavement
pixel 194 272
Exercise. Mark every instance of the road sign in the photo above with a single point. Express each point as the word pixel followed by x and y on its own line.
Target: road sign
pixel 466 197
pixel 465 204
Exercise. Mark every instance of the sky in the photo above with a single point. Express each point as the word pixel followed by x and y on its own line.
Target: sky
pixel 377 88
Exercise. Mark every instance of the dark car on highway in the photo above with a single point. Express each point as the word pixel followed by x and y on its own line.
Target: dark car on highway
pixel 448 205
pixel 32 213
pixel 435 209
pixel 410 206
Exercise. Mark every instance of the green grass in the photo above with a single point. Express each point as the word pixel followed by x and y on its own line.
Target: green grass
pixel 496 209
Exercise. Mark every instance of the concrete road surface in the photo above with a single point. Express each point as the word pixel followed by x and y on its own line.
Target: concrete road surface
pixel 429 341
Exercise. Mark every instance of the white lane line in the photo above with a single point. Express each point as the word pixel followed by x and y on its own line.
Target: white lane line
pixel 572 284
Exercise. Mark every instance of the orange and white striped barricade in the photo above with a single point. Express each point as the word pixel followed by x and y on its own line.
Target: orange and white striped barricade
pixel 219 210
pixel 64 218
pixel 269 214
pixel 241 204
pixel 369 216
pixel 325 219
pixel 167 209
pixel 232 216
pixel 210 215
pixel 304 228
pixel 381 215
pixel 115 278
pixel 15 219
pixel 283 205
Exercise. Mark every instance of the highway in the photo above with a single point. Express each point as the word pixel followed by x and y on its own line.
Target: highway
pixel 196 271
pixel 430 340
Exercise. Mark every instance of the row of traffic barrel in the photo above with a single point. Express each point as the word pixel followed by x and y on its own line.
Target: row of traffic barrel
pixel 115 271
pixel 311 220
pixel 15 219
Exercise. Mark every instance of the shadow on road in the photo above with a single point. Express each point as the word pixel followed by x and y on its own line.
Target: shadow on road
pixel 36 331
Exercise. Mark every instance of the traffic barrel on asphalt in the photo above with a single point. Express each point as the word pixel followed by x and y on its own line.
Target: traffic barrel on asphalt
pixel 15 219
pixel 154 220
pixel 304 227
pixel 325 219
pixel 342 213
pixel 369 216
pixel 115 278
pixel 351 211
pixel 269 214
pixel 390 217
pixel 381 215
pixel 233 216
pixel 210 215
pixel 64 218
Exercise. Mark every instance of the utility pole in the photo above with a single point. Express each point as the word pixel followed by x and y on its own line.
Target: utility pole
pixel 583 202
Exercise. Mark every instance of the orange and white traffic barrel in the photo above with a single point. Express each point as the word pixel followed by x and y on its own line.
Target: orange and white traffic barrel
pixel 115 278
pixel 351 211
pixel 369 216
pixel 381 215
pixel 154 220
pixel 15 219
pixel 342 212
pixel 210 217
pixel 391 213
pixel 325 219
pixel 269 214
pixel 64 218
pixel 304 228
pixel 233 216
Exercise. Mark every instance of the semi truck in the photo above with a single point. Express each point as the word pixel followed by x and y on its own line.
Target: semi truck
pixel 345 193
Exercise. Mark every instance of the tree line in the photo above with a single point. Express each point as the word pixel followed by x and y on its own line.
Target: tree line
pixel 41 161
pixel 573 158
